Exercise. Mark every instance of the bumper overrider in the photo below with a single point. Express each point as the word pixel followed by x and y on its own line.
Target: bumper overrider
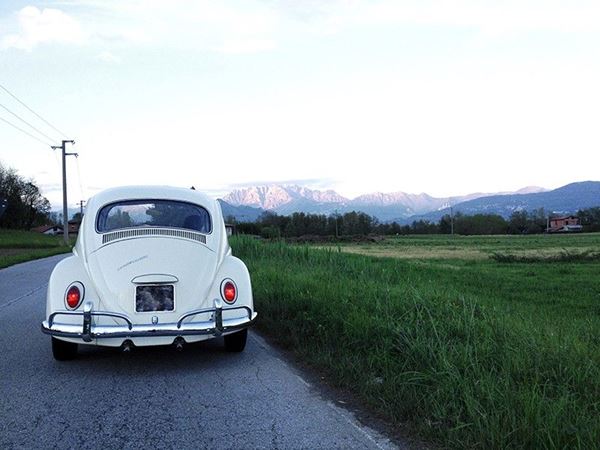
pixel 90 331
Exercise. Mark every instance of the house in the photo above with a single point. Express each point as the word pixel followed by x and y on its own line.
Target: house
pixel 53 230
pixel 567 224
pixel 50 230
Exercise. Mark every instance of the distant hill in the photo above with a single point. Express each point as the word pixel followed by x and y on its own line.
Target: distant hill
pixel 564 200
pixel 287 200
pixel 70 211
pixel 241 213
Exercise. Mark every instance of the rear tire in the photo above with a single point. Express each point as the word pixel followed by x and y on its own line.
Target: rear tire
pixel 236 342
pixel 62 350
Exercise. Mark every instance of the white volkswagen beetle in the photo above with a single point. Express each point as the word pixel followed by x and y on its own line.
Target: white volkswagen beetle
pixel 151 266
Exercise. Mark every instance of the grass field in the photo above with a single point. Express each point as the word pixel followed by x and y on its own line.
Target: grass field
pixel 20 246
pixel 475 247
pixel 470 351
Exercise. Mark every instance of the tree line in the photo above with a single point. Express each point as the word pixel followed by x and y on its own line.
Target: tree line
pixel 22 205
pixel 272 225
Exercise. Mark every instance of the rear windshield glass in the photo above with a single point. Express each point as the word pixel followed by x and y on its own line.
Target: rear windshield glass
pixel 153 213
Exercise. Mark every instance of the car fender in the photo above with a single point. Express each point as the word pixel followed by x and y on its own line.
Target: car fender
pixel 234 268
pixel 66 272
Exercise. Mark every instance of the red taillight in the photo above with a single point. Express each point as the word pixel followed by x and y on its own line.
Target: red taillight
pixel 229 292
pixel 73 297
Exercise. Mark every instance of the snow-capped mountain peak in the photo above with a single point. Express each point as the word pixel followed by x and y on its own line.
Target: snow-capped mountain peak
pixel 273 196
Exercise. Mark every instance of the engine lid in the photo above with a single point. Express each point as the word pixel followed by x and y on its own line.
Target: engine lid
pixel 118 268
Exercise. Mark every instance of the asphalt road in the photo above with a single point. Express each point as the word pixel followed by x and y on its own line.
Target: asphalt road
pixel 202 397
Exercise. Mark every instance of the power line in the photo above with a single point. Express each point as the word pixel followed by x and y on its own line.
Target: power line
pixel 79 176
pixel 56 158
pixel 26 123
pixel 33 112
pixel 23 131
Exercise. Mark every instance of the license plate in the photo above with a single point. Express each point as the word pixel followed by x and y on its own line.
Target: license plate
pixel 154 298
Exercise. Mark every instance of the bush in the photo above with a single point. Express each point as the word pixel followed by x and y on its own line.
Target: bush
pixel 270 232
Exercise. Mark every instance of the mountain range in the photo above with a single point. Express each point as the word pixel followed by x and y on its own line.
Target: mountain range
pixel 249 203
pixel 564 200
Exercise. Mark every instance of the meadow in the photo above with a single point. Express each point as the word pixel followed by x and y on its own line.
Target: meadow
pixel 19 246
pixel 473 342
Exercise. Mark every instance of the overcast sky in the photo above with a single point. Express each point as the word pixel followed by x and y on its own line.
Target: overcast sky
pixel 443 97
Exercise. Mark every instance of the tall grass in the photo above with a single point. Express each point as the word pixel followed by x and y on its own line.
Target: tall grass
pixel 425 345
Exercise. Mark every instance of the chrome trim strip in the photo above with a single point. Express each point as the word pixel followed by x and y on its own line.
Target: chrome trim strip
pixel 92 313
pixel 155 278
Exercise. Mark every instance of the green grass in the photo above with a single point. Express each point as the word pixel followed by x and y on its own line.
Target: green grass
pixel 475 247
pixel 562 257
pixel 19 246
pixel 473 353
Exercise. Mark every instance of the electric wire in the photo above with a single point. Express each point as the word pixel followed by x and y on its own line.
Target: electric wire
pixel 56 159
pixel 33 112
pixel 26 132
pixel 25 122
pixel 81 198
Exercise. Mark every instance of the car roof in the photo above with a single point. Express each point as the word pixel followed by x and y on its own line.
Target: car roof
pixel 151 192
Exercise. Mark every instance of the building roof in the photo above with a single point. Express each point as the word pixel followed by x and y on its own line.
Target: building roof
pixel 44 228
pixel 564 217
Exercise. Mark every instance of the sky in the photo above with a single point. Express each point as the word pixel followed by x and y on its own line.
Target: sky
pixel 443 97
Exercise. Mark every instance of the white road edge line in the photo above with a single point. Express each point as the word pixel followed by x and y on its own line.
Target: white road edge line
pixel 349 418
pixel 303 381
pixel 344 413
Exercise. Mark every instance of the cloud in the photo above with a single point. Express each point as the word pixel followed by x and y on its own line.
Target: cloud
pixel 490 17
pixel 246 46
pixel 108 57
pixel 37 27
pixel 221 27
pixel 205 25
pixel 50 187
pixel 262 25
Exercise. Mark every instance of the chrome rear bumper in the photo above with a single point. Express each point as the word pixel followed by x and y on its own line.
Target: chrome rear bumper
pixel 90 331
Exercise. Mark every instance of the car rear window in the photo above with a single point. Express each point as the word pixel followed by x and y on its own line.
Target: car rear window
pixel 153 213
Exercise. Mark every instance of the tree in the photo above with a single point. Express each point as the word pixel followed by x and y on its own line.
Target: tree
pixel 36 206
pixel 537 221
pixel 517 223
pixel 479 224
pixel 118 219
pixel 424 227
pixel 445 225
pixel 26 206
pixel 590 218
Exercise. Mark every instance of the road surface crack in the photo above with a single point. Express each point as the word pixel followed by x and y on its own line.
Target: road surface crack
pixel 14 300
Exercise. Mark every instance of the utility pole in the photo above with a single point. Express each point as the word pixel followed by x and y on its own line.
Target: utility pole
pixel 451 221
pixel 81 202
pixel 64 186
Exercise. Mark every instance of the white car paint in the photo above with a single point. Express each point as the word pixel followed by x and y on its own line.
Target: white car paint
pixel 110 265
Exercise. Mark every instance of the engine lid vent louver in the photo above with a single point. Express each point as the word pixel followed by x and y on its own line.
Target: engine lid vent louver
pixel 125 234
